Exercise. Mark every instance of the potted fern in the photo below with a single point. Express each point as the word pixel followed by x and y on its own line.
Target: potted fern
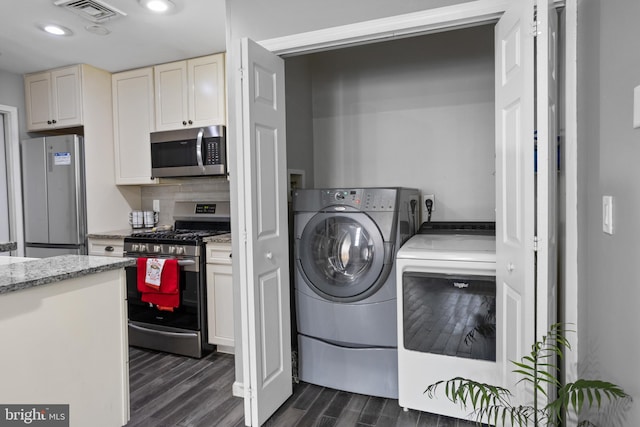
pixel 493 403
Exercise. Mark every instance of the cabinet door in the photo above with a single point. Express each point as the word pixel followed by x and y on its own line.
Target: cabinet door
pixel 54 99
pixel 66 97
pixel 206 90
pixel 171 95
pixel 220 304
pixel 39 104
pixel 133 120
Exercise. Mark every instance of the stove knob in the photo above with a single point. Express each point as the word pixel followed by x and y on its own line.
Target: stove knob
pixel 134 247
pixel 172 249
pixel 144 247
pixel 180 250
pixel 157 248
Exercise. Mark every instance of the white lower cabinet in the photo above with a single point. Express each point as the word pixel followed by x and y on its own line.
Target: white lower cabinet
pixel 106 247
pixel 220 296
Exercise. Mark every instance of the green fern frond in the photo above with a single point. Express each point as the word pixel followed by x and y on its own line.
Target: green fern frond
pixel 573 395
pixel 465 391
pixel 538 368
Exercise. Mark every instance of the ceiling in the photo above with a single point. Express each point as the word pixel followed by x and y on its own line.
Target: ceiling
pixel 141 38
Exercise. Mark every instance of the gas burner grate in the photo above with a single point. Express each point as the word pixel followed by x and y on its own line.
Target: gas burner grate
pixel 177 234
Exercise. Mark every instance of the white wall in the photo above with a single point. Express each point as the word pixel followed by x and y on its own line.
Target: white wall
pixel 12 93
pixel 608 70
pixel 261 20
pixel 299 116
pixel 416 112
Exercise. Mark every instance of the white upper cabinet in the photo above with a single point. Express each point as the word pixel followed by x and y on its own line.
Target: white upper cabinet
pixel 54 98
pixel 190 93
pixel 133 121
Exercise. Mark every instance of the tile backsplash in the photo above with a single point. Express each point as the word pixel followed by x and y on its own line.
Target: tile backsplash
pixel 192 189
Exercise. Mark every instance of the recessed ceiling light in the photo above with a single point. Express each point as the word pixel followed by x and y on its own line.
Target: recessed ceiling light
pixel 158 6
pixel 56 30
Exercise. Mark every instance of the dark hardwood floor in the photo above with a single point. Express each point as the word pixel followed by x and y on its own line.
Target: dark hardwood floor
pixel 173 391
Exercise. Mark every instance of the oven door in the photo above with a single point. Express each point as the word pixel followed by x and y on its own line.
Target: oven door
pixel 188 316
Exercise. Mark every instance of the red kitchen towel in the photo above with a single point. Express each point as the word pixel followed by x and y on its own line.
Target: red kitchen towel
pixel 168 295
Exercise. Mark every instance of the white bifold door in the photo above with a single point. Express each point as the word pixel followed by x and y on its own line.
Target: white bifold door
pixel 526 111
pixel 525 193
pixel 264 261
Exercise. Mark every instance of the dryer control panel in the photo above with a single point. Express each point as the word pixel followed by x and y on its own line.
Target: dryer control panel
pixel 366 199
pixel 380 199
pixel 350 197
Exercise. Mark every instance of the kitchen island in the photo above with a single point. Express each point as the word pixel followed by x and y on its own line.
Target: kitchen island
pixel 63 329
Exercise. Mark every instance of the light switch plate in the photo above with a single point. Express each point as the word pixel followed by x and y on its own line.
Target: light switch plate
pixel 607 214
pixel 636 107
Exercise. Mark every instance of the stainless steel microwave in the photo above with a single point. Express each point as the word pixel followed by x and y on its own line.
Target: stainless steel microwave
pixel 189 152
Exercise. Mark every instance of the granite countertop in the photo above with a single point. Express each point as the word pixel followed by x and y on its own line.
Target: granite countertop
pixel 37 272
pixel 8 246
pixel 116 234
pixel 220 238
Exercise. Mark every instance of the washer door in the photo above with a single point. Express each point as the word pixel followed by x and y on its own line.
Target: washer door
pixel 342 256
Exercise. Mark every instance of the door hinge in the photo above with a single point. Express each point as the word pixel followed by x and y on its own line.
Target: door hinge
pixel 241 73
pixel 535 243
pixel 534 28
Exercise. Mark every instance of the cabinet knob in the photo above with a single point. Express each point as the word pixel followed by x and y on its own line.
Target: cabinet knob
pixel 108 249
pixel 48 122
pixel 184 123
pixel 54 121
pixel 190 122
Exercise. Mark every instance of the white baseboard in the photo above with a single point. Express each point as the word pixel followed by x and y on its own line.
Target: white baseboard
pixel 238 389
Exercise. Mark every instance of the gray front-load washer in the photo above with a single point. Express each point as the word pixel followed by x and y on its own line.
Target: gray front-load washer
pixel 345 286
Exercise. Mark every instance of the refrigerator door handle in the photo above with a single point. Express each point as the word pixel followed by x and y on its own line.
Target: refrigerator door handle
pixel 50 161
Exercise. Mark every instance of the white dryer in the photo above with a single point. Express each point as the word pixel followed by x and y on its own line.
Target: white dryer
pixel 446 311
pixel 345 285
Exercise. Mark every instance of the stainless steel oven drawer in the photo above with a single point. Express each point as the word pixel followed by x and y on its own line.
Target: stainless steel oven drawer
pixel 162 338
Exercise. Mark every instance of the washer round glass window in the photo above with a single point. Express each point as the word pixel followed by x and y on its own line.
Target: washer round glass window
pixel 342 255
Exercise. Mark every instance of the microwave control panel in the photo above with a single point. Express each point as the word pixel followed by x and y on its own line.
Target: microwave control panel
pixel 212 152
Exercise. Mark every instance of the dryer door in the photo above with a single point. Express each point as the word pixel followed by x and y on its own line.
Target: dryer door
pixel 342 256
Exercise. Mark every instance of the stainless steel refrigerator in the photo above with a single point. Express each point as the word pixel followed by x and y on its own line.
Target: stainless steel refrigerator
pixel 53 196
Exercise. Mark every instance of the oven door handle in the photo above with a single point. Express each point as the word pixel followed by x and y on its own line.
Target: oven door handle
pixel 184 262
pixel 165 333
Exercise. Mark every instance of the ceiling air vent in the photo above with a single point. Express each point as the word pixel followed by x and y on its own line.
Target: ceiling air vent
pixel 93 10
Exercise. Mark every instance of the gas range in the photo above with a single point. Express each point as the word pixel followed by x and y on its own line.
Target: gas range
pixel 194 221
pixel 168 242
pixel 183 329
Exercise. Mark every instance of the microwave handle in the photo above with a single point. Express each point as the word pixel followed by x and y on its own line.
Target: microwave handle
pixel 199 147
